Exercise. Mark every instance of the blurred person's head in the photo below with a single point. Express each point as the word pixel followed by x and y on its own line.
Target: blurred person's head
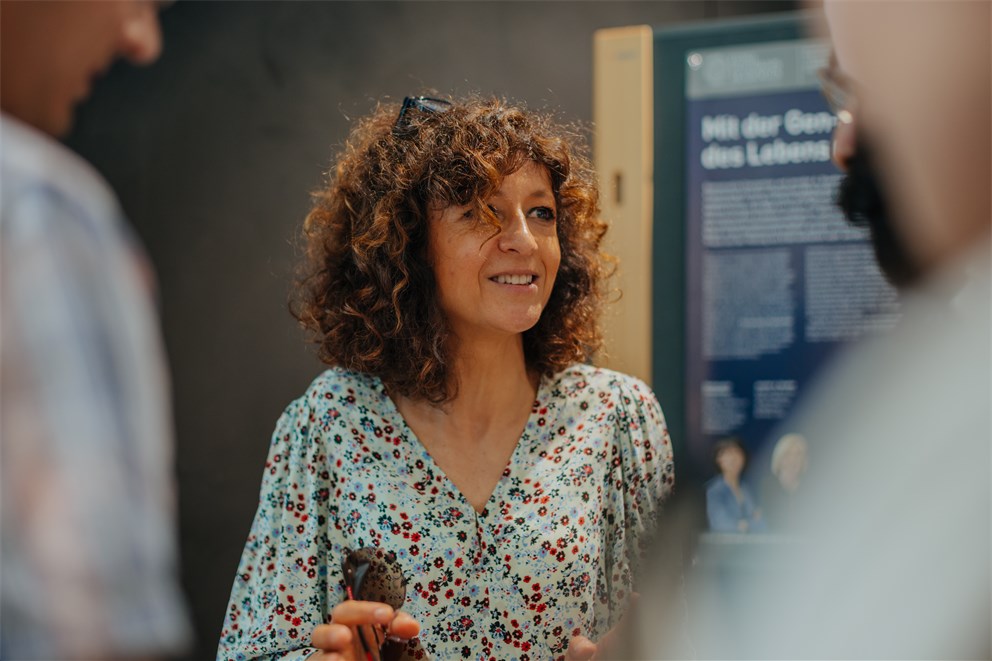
pixel 730 457
pixel 52 51
pixel 863 200
pixel 406 241
pixel 923 76
pixel 789 460
pixel 861 195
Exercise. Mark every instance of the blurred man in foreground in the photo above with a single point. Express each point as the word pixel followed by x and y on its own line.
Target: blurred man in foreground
pixel 88 550
pixel 895 556
pixel 862 195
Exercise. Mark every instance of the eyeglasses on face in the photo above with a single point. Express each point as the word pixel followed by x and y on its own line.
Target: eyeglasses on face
pixel 417 103
pixel 837 90
pixel 371 574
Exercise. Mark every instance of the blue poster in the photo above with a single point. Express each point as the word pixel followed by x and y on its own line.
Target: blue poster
pixel 776 277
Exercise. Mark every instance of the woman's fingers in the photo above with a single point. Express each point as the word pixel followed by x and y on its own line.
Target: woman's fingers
pixel 332 637
pixel 356 613
pixel 350 621
pixel 580 648
pixel 403 626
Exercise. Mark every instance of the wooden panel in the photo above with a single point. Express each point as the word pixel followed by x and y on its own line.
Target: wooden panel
pixel 623 101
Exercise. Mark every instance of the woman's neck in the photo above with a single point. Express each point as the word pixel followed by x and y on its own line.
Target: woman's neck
pixel 472 437
pixel 491 379
pixel 493 386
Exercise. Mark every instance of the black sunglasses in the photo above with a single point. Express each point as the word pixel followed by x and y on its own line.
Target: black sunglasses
pixel 371 574
pixel 421 103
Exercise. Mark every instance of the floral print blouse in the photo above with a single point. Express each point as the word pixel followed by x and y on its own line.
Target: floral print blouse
pixel 550 556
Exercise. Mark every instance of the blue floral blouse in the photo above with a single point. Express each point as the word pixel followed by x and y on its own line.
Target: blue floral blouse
pixel 550 556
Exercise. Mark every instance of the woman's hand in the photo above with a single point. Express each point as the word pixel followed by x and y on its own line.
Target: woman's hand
pixel 581 648
pixel 341 641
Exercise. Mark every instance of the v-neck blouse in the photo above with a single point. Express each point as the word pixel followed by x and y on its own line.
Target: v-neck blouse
pixel 550 556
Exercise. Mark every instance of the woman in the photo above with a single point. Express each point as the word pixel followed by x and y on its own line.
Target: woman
pixel 453 286
pixel 729 504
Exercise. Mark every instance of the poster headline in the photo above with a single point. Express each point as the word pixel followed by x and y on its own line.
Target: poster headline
pixel 795 136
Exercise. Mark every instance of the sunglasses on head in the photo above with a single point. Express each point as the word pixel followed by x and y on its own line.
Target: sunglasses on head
pixel 411 105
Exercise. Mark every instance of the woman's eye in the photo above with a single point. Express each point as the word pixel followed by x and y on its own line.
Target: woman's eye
pixel 544 213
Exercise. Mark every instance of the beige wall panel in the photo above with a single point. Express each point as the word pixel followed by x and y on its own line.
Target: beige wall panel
pixel 623 149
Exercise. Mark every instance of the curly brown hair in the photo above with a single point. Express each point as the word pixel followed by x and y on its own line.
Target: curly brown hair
pixel 367 292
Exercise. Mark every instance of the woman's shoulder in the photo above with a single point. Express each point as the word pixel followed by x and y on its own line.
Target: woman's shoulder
pixel 611 398
pixel 339 387
pixel 340 379
pixel 600 379
pixel 337 402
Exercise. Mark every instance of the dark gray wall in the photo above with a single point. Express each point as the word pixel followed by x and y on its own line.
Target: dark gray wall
pixel 213 151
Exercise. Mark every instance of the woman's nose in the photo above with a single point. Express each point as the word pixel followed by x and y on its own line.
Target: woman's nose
pixel 516 235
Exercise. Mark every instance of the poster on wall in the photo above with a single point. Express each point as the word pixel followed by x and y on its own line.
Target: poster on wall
pixel 776 279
